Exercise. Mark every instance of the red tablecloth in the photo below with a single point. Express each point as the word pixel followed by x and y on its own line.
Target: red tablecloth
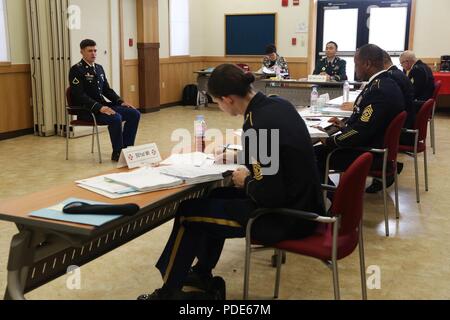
pixel 445 78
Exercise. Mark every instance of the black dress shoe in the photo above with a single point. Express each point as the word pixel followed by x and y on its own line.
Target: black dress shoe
pixel 198 280
pixel 214 287
pixel 115 156
pixel 399 167
pixel 377 185
pixel 176 294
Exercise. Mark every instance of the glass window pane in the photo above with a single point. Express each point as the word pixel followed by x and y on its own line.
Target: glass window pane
pixel 388 28
pixel 350 67
pixel 179 27
pixel 341 26
pixel 3 34
pixel 396 62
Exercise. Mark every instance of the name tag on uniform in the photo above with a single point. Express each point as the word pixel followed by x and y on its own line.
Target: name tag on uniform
pixel 317 78
pixel 141 156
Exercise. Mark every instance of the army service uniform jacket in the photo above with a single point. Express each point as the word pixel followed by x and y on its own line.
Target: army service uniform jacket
pixel 336 69
pixel 377 105
pixel 89 87
pixel 406 87
pixel 422 80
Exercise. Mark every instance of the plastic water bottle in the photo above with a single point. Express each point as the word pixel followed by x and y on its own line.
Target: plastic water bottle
pixel 200 133
pixel 346 91
pixel 314 98
pixel 277 70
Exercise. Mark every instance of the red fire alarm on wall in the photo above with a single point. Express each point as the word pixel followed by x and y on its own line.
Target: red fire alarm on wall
pixel 130 42
pixel 294 41
pixel 285 3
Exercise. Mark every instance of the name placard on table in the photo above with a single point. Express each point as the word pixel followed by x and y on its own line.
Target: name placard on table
pixel 317 78
pixel 141 156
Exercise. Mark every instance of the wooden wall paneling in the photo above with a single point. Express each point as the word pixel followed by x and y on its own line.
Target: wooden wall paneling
pixel 16 113
pixel 131 78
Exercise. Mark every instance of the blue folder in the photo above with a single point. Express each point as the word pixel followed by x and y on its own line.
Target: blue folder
pixel 55 213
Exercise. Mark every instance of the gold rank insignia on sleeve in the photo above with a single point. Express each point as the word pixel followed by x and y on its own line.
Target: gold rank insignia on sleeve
pixel 347 135
pixel 257 172
pixel 75 81
pixel 249 118
pixel 367 114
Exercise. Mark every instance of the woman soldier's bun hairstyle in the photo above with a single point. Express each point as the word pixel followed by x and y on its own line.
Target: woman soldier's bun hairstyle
pixel 229 79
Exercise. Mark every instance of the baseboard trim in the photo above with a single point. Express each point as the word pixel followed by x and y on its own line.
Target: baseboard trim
pixel 15 134
pixel 171 105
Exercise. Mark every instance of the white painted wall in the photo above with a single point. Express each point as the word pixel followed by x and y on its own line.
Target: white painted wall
pixel 18 31
pixel 99 21
pixel 129 29
pixel 432 30
pixel 288 19
pixel 207 26
pixel 163 16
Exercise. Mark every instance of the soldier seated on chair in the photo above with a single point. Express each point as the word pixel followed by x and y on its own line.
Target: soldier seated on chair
pixel 377 105
pixel 289 179
pixel 406 87
pixel 332 66
pixel 89 88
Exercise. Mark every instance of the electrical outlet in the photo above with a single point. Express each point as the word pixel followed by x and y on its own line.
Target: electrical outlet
pixel 133 88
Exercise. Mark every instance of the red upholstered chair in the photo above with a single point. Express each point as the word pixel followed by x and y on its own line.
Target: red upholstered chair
pixel 72 111
pixel 389 169
pixel 437 88
pixel 390 153
pixel 335 238
pixel 420 145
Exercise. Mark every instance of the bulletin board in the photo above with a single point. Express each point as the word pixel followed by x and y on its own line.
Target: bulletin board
pixel 249 34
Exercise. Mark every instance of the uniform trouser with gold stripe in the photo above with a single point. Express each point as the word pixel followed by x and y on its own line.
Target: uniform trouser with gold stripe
pixel 199 231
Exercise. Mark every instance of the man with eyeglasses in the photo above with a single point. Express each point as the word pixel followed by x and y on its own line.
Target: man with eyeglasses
pixel 420 75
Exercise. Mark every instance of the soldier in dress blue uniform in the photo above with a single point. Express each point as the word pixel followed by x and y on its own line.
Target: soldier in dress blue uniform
pixel 89 88
pixel 289 180
pixel 377 105
pixel 332 66
pixel 406 87
pixel 420 75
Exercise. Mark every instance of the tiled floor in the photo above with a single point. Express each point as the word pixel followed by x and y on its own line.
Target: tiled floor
pixel 413 261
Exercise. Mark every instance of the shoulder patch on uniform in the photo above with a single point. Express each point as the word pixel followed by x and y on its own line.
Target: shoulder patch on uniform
pixel 376 84
pixel 257 171
pixel 367 114
pixel 75 81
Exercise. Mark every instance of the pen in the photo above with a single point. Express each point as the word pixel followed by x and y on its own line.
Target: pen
pixel 225 147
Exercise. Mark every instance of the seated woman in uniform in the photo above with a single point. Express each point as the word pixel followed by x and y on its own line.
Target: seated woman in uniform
pixel 332 66
pixel 274 61
pixel 288 179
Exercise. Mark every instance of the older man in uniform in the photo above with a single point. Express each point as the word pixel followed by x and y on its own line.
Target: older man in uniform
pixel 377 105
pixel 332 66
pixel 420 75
pixel 89 88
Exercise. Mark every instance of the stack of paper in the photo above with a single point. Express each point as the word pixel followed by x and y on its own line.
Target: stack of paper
pixel 197 159
pixel 107 188
pixel 145 179
pixel 336 112
pixel 192 174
